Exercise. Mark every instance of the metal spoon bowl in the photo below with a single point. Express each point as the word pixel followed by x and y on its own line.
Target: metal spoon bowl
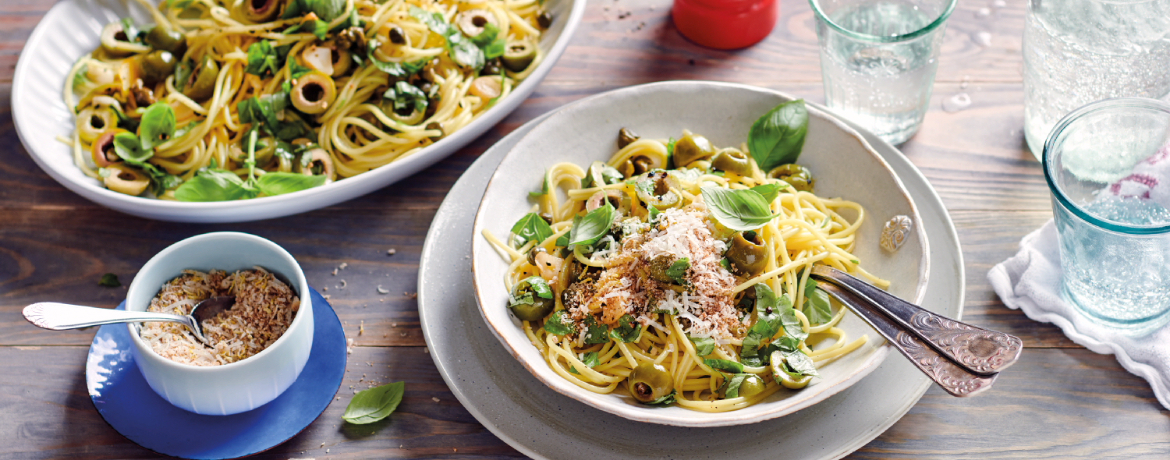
pixel 62 316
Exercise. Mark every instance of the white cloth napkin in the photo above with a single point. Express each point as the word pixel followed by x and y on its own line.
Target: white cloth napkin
pixel 1030 281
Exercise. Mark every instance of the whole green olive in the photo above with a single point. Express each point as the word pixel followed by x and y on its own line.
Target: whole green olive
pixel 692 147
pixel 163 38
pixel 626 137
pixel 539 308
pixel 637 166
pixel 747 253
pixel 200 84
pixel 751 386
pixel 519 54
pixel 795 175
pixel 650 382
pixel 313 93
pixel 732 161
pixel 158 65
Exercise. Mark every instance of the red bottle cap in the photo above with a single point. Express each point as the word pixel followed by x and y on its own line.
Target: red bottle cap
pixel 725 24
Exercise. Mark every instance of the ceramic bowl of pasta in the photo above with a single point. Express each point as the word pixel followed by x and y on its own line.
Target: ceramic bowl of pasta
pixel 216 111
pixel 257 348
pixel 647 252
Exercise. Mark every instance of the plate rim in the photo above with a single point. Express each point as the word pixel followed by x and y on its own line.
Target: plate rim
pixel 871 362
pixel 931 201
pixel 275 206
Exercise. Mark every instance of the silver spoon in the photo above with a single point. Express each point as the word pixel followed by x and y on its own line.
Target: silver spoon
pixel 63 316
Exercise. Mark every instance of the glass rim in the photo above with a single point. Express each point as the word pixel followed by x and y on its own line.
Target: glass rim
pixel 938 22
pixel 1049 177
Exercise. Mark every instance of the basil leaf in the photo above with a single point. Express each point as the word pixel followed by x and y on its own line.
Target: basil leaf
pixel 740 210
pixel 590 359
pixel 109 280
pixel 490 41
pixel 654 213
pixel 799 363
pixel 262 58
pixel 768 191
pixel 563 240
pixel 157 125
pixel 786 343
pixel 374 404
pixel 326 10
pixel 559 324
pixel 595 332
pixel 627 331
pixel 214 185
pixel 125 122
pixel 80 79
pixel 531 227
pixel 663 401
pixel 670 153
pixel 731 386
pixel 461 49
pixel 703 345
pixel 316 27
pixel 524 299
pixel 544 186
pixel 591 228
pixel 128 148
pixel 407 98
pixel 539 286
pixel 778 137
pixel 816 304
pixel 678 270
pixel 730 367
pixel 725 263
pixel 279 183
pixel 401 70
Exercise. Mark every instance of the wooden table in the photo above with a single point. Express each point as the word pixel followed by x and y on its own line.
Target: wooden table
pixel 1059 401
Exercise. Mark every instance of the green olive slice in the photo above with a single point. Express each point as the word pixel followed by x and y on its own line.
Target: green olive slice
pixel 747 253
pixel 535 311
pixel 518 54
pixel 472 22
pixel 783 377
pixel 313 93
pixel 260 10
pixel 200 84
pixel 691 148
pixel 795 175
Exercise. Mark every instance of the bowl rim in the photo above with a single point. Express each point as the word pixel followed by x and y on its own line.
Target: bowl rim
pixel 272 206
pixel 302 286
pixel 643 414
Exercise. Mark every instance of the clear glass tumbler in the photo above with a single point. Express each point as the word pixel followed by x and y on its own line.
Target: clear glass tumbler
pixel 1104 163
pixel 1080 51
pixel 878 58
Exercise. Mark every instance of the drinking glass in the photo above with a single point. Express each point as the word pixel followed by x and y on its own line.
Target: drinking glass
pixel 1103 164
pixel 878 58
pixel 1080 51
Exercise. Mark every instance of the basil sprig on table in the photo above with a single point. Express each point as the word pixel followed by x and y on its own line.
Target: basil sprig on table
pixel 741 210
pixel 374 404
pixel 778 137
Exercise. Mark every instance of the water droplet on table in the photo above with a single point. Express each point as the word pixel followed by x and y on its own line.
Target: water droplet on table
pixel 983 13
pixel 956 103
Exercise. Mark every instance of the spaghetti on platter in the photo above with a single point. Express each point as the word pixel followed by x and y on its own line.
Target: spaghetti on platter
pixel 640 275
pixel 219 94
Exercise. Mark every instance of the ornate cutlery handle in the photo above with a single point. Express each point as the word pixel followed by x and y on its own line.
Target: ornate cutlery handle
pixel 951 377
pixel 62 316
pixel 979 350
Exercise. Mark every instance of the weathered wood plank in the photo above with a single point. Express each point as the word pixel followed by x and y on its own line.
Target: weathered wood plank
pixel 1052 404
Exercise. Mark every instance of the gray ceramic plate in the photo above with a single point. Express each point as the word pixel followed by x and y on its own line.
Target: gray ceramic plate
pixel 541 423
pixel 41 116
pixel 841 160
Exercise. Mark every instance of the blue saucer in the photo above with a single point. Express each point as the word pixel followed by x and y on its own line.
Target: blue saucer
pixel 122 396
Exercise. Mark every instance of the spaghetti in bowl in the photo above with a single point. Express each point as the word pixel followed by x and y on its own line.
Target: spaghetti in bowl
pixel 42 116
pixel 844 166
